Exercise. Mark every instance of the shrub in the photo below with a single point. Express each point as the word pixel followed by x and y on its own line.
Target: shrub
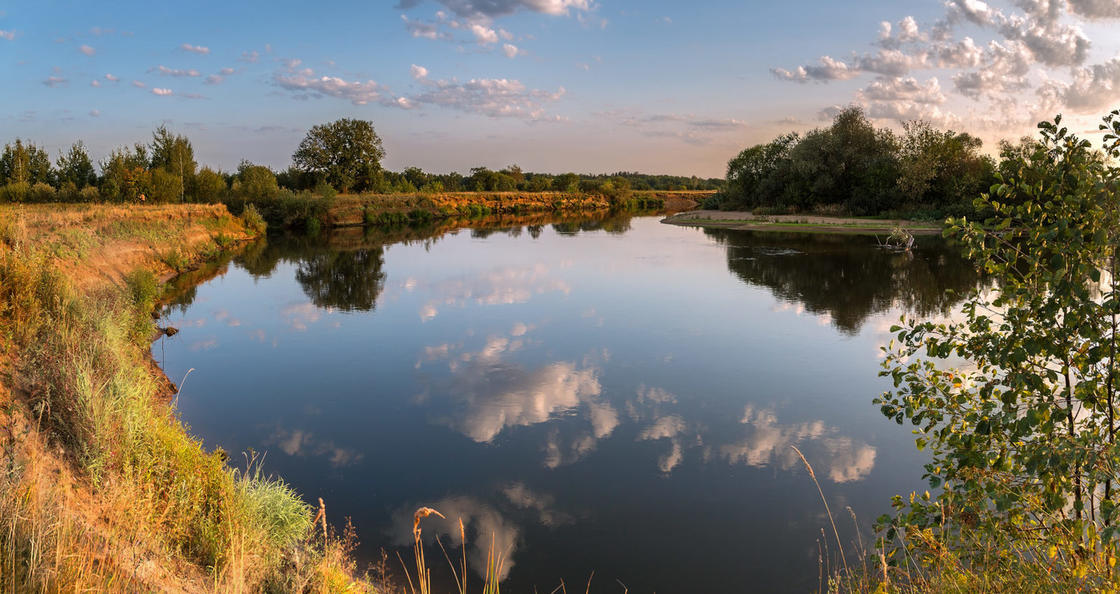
pixel 324 190
pixel 41 192
pixel 89 194
pixel 164 187
pixel 208 186
pixel 15 192
pixel 253 220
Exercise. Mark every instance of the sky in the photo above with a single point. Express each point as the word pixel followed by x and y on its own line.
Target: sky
pixel 595 86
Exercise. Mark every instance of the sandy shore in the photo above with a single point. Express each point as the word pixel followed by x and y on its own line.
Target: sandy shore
pixel 726 219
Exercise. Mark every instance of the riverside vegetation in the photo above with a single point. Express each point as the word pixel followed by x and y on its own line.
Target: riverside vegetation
pixel 339 158
pixel 101 487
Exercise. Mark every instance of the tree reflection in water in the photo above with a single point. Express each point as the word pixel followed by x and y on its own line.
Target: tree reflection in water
pixel 850 278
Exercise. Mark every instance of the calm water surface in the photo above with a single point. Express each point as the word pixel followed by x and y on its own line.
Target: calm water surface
pixel 617 396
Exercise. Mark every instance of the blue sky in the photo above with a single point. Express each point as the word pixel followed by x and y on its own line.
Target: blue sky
pixel 552 85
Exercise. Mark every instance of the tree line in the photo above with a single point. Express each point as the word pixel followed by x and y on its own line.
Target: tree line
pixel 343 156
pixel 853 168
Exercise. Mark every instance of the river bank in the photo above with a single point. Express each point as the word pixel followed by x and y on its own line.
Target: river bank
pixel 746 221
pixel 304 210
pixel 104 488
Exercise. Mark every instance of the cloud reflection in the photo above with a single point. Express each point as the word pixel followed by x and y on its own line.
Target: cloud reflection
pixel 768 442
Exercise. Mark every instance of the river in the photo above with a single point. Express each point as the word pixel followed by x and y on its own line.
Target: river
pixel 616 396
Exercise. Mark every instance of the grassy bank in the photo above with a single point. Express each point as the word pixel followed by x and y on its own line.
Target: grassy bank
pixel 799 223
pixel 101 487
pixel 304 210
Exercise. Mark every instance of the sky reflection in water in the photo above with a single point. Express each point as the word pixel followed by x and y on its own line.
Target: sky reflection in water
pixel 615 395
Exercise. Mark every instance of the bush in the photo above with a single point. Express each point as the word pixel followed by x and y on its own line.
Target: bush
pixel 15 192
pixel 41 192
pixel 253 220
pixel 324 190
pixel 208 186
pixel 89 194
pixel 164 187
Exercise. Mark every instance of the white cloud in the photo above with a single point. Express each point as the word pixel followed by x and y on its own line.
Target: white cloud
pixel 55 81
pixel 904 89
pixel 196 49
pixel 111 78
pixel 493 97
pixel 483 35
pixel 250 57
pixel 226 71
pixel 87 50
pixel 161 92
pixel 214 79
pixel 176 72
pixel 511 51
pixel 7 35
pixel 306 84
pixel 95 83
pixel 418 72
pixel 138 84
pixel 1093 88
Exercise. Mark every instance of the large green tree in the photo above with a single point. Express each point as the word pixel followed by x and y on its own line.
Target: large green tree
pixel 345 153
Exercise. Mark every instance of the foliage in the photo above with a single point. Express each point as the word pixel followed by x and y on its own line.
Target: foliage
pixel 75 167
pixel 851 167
pixel 255 182
pixel 24 163
pixel 345 153
pixel 208 186
pixel 125 175
pixel 1017 402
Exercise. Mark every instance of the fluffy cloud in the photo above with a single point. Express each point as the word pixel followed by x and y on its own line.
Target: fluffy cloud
pixel 111 78
pixel 87 50
pixel 7 35
pixel 904 89
pixel 511 51
pixel 828 69
pixel 1096 9
pixel 493 97
pixel 196 49
pixel 1093 88
pixel 483 35
pixel 305 84
pixel 162 92
pixel 418 72
pixel 1033 45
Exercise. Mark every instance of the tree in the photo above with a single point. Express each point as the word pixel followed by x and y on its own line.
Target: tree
pixel 750 168
pixel 1023 435
pixel 255 182
pixel 75 167
pixel 175 155
pixel 208 186
pixel 346 153
pixel 942 169
pixel 124 174
pixel 24 163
